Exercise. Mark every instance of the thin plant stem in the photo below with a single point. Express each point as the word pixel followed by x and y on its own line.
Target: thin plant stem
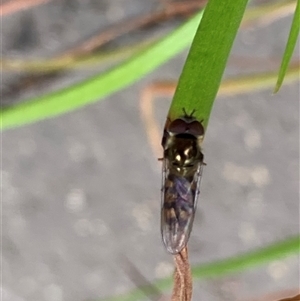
pixel 183 281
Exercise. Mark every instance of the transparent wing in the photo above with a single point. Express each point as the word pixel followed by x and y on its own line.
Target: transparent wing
pixel 179 202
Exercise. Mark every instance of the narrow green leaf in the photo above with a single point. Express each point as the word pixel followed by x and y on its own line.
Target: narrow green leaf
pixel 239 263
pixel 102 85
pixel 290 46
pixel 202 73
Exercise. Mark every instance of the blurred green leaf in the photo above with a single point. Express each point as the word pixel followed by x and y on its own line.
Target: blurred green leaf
pixel 290 46
pixel 238 263
pixel 102 85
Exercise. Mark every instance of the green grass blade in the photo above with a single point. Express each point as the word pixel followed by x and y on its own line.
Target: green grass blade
pixel 102 85
pixel 290 46
pixel 202 73
pixel 239 263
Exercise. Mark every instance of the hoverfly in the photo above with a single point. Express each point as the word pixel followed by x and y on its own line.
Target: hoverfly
pixel 181 174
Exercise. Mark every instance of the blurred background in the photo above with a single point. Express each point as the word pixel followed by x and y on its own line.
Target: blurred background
pixel 81 192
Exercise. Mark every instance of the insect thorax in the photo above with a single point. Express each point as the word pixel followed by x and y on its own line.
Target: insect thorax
pixel 183 152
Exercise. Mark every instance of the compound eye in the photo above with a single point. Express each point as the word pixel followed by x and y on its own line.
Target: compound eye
pixel 178 126
pixel 196 128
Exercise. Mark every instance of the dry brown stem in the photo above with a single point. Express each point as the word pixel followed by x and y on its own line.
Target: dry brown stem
pixel 127 26
pixel 13 6
pixel 280 296
pixel 295 298
pixel 183 285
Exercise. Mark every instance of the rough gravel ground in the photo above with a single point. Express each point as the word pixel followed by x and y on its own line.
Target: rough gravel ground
pixel 81 192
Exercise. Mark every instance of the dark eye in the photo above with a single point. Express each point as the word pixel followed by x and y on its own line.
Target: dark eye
pixel 178 126
pixel 196 128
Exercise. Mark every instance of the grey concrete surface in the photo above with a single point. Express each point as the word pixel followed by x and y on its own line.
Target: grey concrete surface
pixel 81 192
